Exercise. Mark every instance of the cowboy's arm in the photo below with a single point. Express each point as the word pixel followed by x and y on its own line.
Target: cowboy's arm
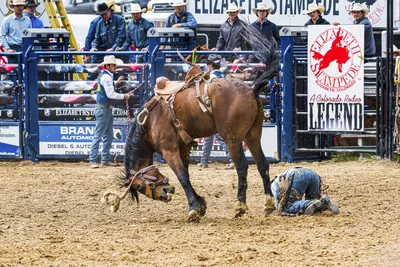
pixel 4 32
pixel 121 33
pixel 191 22
pixel 90 35
pixel 275 33
pixel 108 85
pixel 221 40
pixel 95 41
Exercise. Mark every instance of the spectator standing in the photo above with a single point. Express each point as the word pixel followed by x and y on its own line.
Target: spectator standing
pixel 263 25
pixel 92 28
pixel 136 38
pixel 110 33
pixel 30 13
pixel 106 100
pixel 11 29
pixel 230 38
pixel 359 15
pixel 213 65
pixel 315 13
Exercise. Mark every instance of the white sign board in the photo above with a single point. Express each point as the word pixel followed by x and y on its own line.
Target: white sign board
pixel 336 78
pixel 75 140
pixel 9 141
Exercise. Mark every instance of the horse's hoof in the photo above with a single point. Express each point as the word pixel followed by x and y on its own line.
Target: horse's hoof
pixel 240 209
pixel 269 206
pixel 194 216
pixel 203 207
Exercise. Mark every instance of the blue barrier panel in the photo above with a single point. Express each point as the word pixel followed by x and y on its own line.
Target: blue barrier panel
pixel 11 107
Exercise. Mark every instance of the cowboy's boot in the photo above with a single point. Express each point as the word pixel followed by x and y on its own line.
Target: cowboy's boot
pixel 313 206
pixel 327 203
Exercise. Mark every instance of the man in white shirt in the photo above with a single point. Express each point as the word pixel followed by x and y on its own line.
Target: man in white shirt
pixel 106 99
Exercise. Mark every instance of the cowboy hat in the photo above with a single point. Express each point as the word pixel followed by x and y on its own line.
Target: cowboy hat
pixel 233 8
pixel 111 60
pixel 116 8
pixel 17 3
pixel 214 60
pixel 135 8
pixel 178 3
pixel 103 8
pixel 32 3
pixel 359 7
pixel 262 6
pixel 312 8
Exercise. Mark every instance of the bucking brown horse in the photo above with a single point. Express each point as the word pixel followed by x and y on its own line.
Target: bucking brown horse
pixel 234 110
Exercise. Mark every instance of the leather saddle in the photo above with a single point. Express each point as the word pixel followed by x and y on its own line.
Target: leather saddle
pixel 166 87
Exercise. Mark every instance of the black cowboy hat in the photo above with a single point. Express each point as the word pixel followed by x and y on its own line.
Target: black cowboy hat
pixel 214 60
pixel 33 3
pixel 103 8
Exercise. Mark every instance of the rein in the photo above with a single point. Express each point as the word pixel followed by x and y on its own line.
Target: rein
pixel 113 198
pixel 148 180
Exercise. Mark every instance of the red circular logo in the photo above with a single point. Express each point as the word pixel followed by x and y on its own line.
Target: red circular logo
pixel 335 59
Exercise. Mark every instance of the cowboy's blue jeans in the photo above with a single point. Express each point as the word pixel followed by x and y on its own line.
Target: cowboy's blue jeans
pixel 103 130
pixel 305 182
pixel 207 147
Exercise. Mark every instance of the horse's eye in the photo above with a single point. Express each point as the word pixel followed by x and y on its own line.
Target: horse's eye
pixel 139 187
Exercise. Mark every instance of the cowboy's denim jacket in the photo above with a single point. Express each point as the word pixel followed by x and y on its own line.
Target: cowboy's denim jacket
pixel 110 34
pixel 137 34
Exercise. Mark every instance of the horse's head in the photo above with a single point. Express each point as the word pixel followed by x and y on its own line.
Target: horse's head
pixel 151 183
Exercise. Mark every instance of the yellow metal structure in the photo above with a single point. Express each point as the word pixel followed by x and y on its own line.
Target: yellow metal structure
pixel 55 23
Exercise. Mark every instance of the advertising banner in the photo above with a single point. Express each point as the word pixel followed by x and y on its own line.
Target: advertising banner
pixel 9 141
pixel 336 78
pixel 287 12
pixel 61 140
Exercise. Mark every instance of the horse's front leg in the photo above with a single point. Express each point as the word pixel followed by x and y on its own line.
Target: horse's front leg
pixel 179 164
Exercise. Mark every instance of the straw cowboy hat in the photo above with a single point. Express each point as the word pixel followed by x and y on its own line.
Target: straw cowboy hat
pixel 135 8
pixel 111 60
pixel 262 6
pixel 18 3
pixel 312 8
pixel 233 8
pixel 178 3
pixel 359 7
pixel 32 3
pixel 116 8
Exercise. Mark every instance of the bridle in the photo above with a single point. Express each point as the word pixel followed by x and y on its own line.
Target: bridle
pixel 149 180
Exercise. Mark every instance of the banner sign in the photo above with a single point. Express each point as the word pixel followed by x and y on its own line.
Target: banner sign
pixel 75 139
pixel 287 12
pixel 336 78
pixel 9 141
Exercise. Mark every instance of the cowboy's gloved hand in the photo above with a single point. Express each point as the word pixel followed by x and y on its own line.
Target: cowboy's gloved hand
pixel 118 49
pixel 93 49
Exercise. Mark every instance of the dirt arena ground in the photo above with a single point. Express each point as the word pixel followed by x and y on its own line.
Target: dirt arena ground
pixel 51 215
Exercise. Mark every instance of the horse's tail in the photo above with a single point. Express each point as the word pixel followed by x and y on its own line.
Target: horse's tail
pixel 265 50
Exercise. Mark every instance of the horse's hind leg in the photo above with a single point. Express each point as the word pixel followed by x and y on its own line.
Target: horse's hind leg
pixel 253 142
pixel 241 164
pixel 263 169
